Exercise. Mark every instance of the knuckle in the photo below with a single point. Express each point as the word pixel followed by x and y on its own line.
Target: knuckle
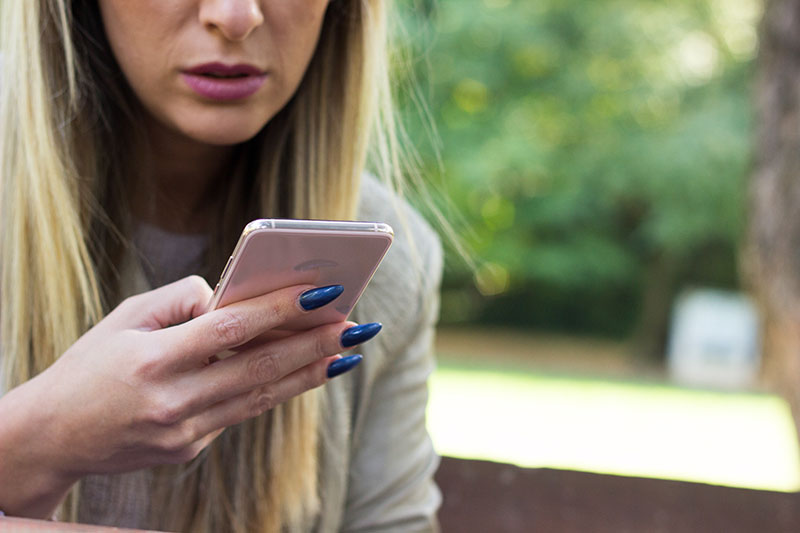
pixel 184 455
pixel 166 412
pixel 197 284
pixel 130 303
pixel 178 440
pixel 228 329
pixel 170 446
pixel 277 312
pixel 261 401
pixel 264 368
pixel 147 369
pixel 320 346
pixel 150 365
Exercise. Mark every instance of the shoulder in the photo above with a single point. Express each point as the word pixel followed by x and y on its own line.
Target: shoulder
pixel 383 400
pixel 407 281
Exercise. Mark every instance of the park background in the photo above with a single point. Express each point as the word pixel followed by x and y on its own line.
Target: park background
pixel 595 160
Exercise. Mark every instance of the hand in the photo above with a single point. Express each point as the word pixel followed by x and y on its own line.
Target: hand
pixel 137 389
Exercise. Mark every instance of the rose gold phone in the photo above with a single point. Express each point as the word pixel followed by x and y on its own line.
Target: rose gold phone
pixel 275 253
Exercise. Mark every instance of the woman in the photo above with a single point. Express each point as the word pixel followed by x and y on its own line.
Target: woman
pixel 137 140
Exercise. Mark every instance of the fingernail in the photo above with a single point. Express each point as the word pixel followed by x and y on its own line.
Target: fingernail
pixel 340 366
pixel 359 334
pixel 320 296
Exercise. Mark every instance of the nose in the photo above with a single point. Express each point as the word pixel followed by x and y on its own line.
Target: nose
pixel 233 19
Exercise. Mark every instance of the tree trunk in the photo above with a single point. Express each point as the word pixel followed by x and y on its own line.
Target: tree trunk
pixel 660 288
pixel 772 253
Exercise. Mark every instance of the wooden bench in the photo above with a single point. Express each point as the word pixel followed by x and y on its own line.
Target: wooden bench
pixel 482 496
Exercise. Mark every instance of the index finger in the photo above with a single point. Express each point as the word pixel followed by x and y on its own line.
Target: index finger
pixel 197 340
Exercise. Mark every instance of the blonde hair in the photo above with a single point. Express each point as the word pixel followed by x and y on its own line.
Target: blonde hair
pixel 67 116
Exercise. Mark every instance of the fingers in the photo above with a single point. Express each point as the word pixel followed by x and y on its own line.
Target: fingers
pixel 234 325
pixel 260 400
pixel 266 363
pixel 199 431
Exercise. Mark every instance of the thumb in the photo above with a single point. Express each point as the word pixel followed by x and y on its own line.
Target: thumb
pixel 166 306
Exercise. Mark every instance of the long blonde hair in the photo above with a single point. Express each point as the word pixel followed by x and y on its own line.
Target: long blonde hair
pixel 67 117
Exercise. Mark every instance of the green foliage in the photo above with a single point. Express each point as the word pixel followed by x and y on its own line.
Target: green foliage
pixel 580 140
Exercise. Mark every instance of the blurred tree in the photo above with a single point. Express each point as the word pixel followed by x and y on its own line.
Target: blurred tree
pixel 773 252
pixel 598 150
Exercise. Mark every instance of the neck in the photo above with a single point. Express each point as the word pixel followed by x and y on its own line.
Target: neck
pixel 176 189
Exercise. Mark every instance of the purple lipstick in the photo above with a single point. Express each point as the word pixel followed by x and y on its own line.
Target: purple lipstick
pixel 221 82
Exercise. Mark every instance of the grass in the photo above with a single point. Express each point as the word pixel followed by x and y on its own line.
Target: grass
pixel 616 427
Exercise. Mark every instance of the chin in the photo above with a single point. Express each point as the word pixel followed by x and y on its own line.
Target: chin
pixel 223 136
pixel 223 132
pixel 216 124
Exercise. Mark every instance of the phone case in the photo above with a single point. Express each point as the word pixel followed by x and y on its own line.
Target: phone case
pixel 275 253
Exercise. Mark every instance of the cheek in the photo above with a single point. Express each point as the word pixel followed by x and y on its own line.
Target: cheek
pixel 141 35
pixel 295 29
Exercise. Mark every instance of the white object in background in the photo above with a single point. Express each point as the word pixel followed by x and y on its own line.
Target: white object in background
pixel 713 341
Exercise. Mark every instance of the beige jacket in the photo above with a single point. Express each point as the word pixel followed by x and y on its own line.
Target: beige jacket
pixel 377 461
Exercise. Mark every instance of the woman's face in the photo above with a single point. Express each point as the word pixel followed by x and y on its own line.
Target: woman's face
pixel 214 70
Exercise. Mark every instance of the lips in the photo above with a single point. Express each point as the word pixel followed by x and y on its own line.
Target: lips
pixel 218 81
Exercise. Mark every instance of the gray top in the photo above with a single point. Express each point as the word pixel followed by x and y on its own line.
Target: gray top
pixel 377 460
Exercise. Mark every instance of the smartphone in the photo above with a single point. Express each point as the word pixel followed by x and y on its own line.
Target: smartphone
pixel 275 253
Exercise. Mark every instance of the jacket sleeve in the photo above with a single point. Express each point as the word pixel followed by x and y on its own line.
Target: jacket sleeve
pixel 391 486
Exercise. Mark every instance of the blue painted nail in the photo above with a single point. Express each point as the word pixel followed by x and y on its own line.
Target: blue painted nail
pixel 359 334
pixel 318 297
pixel 340 366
